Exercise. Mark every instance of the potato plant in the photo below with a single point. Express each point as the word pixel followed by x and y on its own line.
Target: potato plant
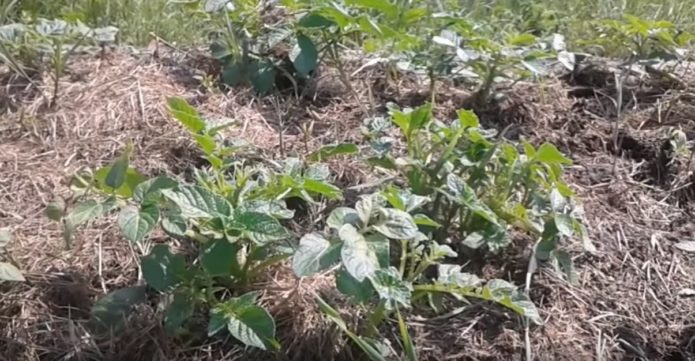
pixel 360 242
pixel 232 214
pixel 482 186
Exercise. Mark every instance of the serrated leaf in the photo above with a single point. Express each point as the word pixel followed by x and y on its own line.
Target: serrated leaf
pixel 110 312
pixel 307 258
pixel 391 288
pixel 260 227
pixel 9 272
pixel 359 292
pixel 341 216
pixel 247 322
pixel 219 258
pixel 332 150
pixel 396 224
pixel 307 59
pixel 186 115
pixel 161 269
pixel 198 202
pixel 179 310
pixel 358 258
pixel 137 223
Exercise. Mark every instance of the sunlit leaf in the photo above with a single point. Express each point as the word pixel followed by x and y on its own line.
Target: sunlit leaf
pixel 137 223
pixel 307 258
pixel 358 258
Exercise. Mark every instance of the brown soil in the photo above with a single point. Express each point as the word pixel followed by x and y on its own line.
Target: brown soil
pixel 637 193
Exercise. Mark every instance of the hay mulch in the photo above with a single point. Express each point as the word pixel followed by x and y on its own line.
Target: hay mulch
pixel 635 297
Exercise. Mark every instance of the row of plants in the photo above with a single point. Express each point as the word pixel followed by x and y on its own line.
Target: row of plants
pixel 458 192
pixel 435 42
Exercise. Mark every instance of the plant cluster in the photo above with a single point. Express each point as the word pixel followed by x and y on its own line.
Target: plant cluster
pixel 457 188
pixel 232 213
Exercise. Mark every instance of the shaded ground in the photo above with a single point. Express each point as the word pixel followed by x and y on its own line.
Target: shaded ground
pixel 637 194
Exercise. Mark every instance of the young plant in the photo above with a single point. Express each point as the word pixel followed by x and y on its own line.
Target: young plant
pixel 483 186
pixel 231 215
pixel 362 240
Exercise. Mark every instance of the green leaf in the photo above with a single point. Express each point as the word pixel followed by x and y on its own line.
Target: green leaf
pixel 522 40
pixel 358 258
pixel 85 212
pixel 424 220
pixel 219 258
pixel 186 115
pixel 565 266
pixel 117 174
pixel 55 210
pixel 132 179
pixel 383 6
pixel 234 74
pixel 9 272
pixel 263 79
pixel 391 288
pixel 366 208
pixel 467 119
pixel 276 209
pixel 408 346
pixel 247 322
pixel 307 59
pixel 174 225
pixel 419 117
pixel 161 269
pixel 314 20
pixel 307 258
pixel 137 223
pixel 381 247
pixel 260 227
pixel 179 310
pixel 402 120
pixel 396 224
pixel 198 202
pixel 341 216
pixel 206 143
pixel 149 191
pixel 359 292
pixel 332 150
pixel 325 189
pixel 110 312
pixel 549 154
pixel 564 224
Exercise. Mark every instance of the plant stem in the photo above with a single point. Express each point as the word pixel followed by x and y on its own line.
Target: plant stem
pixel 404 255
pixel 375 319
